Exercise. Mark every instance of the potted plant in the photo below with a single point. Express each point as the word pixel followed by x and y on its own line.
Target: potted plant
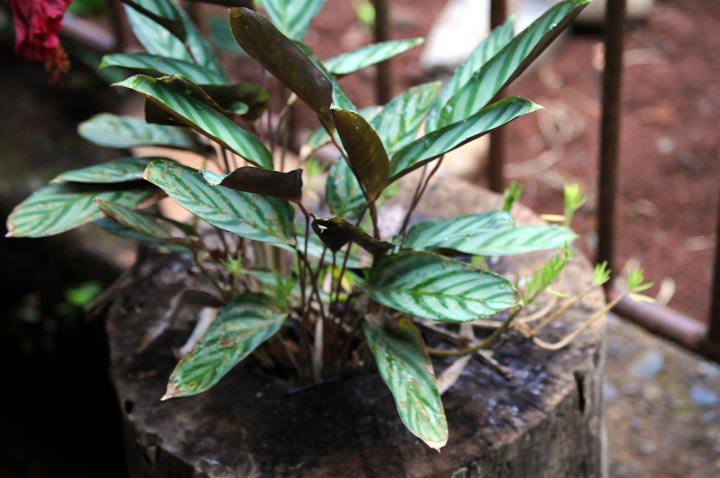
pixel 324 294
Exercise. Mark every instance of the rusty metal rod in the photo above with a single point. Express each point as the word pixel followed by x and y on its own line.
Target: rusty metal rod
pixel 383 73
pixel 496 155
pixel 610 130
pixel 669 324
pixel 714 324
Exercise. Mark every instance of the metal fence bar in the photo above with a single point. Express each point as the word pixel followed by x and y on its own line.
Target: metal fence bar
pixel 615 11
pixel 714 324
pixel 383 78
pixel 496 155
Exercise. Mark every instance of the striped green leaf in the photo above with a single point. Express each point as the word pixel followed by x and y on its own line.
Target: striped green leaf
pixel 246 323
pixel 116 229
pixel 508 241
pixel 293 18
pixel 59 207
pixel 485 50
pixel 439 142
pixel 343 193
pixel 405 367
pixel 247 215
pixel 507 64
pixel 428 234
pixel 202 118
pixel 366 154
pixel 114 131
pixel 399 121
pixel 356 60
pixel 165 16
pixel 434 287
pixel 283 59
pixel 146 224
pixel 118 171
pixel 156 38
pixel 156 65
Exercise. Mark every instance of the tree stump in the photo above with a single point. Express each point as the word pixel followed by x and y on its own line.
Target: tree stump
pixel 547 422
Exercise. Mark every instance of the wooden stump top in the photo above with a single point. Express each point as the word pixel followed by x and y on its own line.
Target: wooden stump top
pixel 544 423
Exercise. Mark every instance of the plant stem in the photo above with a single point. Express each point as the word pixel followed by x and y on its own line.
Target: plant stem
pixel 416 198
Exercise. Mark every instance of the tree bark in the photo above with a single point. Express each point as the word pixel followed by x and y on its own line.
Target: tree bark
pixel 547 422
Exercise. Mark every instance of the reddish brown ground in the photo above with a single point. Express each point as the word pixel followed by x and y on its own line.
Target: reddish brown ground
pixel 670 146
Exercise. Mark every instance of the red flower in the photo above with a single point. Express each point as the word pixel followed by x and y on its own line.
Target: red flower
pixel 37 24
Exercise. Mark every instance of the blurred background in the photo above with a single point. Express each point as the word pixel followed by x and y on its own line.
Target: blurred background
pixel 58 415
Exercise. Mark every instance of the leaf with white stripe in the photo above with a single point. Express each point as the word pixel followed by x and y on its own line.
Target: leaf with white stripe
pixel 343 193
pixel 405 367
pixel 114 131
pixel 508 241
pixel 433 287
pixel 59 207
pixel 118 171
pixel 293 18
pixel 486 49
pixel 202 118
pixel 241 327
pixel 145 224
pixel 356 60
pixel 156 65
pixel 156 39
pixel 116 229
pixel 507 64
pixel 439 142
pixel 283 59
pixel 427 234
pixel 167 15
pixel 400 119
pixel 248 215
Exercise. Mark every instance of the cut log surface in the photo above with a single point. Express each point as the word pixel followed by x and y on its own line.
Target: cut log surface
pixel 547 422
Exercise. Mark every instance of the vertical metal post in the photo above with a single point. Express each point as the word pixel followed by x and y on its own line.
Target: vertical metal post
pixel 117 19
pixel 713 334
pixel 496 176
pixel 610 129
pixel 383 78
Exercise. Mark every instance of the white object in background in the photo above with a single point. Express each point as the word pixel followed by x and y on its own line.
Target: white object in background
pixel 464 23
pixel 594 14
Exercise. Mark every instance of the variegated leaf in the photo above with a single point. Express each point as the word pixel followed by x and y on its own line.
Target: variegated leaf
pixel 181 27
pixel 356 60
pixel 399 121
pixel 146 224
pixel 247 322
pixel 59 207
pixel 156 38
pixel 248 215
pixel 434 287
pixel 507 64
pixel 115 131
pixel 405 367
pixel 156 65
pixel 342 191
pixel 508 241
pixel 201 117
pixel 118 171
pixel 293 18
pixel 486 49
pixel 116 229
pixel 439 142
pixel 428 234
